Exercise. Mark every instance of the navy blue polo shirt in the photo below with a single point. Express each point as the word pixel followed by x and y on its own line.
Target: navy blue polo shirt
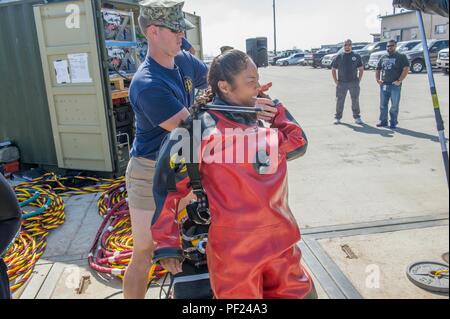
pixel 158 93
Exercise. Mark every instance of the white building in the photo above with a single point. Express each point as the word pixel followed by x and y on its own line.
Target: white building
pixel 404 26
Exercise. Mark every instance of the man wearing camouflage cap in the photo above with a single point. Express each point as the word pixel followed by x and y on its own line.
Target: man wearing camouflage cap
pixel 160 93
pixel 167 13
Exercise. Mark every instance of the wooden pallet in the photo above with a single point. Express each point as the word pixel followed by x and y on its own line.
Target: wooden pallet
pixel 119 94
pixel 120 90
pixel 118 83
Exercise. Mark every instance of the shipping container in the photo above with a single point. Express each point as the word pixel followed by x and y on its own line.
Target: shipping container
pixel 60 102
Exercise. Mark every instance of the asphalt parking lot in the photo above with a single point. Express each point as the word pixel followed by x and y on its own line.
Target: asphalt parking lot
pixel 379 193
pixel 355 173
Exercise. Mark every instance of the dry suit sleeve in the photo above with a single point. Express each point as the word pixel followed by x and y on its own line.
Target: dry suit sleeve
pixel 292 138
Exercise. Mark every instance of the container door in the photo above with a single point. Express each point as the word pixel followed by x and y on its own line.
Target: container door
pixel 194 36
pixel 70 59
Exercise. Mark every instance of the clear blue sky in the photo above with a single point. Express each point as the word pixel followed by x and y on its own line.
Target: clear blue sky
pixel 303 24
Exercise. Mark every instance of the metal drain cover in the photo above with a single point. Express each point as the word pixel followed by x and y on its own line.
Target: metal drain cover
pixel 428 275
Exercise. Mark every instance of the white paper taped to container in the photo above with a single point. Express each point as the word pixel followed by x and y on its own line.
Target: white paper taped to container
pixel 79 68
pixel 61 71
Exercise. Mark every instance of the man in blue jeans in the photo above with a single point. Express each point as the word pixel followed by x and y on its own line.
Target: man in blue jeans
pixel 392 70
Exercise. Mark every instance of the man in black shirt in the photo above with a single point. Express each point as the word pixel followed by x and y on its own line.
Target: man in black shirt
pixel 10 215
pixel 392 69
pixel 347 73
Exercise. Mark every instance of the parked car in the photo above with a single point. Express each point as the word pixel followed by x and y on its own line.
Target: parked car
pixel 294 59
pixel 402 47
pixel 442 60
pixel 416 56
pixel 328 59
pixel 273 61
pixel 315 59
pixel 369 49
pixel 283 55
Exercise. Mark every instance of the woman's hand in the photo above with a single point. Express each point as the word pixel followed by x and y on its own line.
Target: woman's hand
pixel 265 87
pixel 172 265
pixel 268 109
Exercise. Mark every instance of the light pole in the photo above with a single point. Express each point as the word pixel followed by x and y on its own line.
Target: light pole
pixel 274 28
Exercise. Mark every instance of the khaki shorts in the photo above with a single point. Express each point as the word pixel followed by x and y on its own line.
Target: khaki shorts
pixel 139 181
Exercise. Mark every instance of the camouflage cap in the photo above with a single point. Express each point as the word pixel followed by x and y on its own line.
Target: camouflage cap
pixel 167 13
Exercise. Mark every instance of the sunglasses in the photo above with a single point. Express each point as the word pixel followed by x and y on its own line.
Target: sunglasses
pixel 391 46
pixel 163 26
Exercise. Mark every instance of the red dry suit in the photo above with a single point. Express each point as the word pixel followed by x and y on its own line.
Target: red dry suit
pixel 252 248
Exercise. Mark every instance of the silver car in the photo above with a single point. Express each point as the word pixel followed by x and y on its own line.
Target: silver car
pixel 328 60
pixel 294 59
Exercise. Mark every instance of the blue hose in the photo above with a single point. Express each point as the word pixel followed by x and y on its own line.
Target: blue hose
pixel 38 211
pixel 30 200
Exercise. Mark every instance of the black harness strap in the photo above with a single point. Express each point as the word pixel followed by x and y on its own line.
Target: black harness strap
pixel 202 209
pixel 171 181
pixel 196 180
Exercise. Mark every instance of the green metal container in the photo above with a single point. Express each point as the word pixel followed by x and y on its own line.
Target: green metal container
pixel 24 114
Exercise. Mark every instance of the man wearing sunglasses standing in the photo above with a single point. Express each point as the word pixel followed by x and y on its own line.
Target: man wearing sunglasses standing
pixel 392 69
pixel 347 73
pixel 160 93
